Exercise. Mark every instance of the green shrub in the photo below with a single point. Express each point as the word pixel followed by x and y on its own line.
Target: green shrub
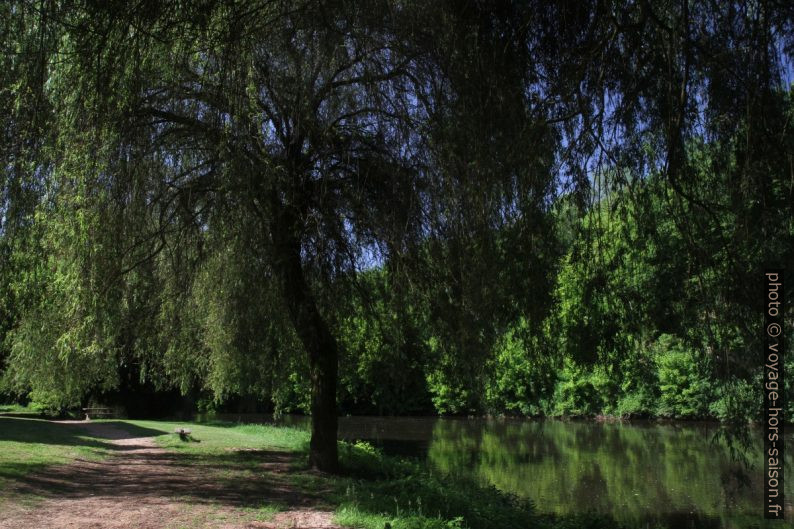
pixel 640 403
pixel 576 394
pixel 685 388
pixel 448 395
pixel 520 380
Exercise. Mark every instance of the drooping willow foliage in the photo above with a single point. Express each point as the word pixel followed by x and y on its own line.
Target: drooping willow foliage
pixel 196 192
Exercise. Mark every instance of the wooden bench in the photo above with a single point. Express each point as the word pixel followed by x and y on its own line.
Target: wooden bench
pixel 98 413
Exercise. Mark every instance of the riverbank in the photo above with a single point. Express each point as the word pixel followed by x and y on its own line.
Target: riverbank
pixel 140 474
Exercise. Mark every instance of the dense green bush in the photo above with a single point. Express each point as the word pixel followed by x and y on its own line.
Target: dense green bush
pixel 685 388
pixel 521 377
pixel 575 393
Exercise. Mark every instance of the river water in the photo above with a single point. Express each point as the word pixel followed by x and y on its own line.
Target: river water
pixel 645 474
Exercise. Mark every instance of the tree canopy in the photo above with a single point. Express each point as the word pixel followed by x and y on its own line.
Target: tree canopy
pixel 219 193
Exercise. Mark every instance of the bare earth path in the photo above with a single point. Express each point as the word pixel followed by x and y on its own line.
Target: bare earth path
pixel 147 487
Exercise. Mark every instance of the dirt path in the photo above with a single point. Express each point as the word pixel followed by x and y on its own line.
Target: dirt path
pixel 147 487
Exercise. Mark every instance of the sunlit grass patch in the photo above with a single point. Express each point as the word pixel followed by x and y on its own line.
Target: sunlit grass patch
pixel 218 438
pixel 266 512
pixel 28 445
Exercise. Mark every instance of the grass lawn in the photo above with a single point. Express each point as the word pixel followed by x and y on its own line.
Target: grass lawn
pixel 28 445
pixel 372 490
pixel 220 438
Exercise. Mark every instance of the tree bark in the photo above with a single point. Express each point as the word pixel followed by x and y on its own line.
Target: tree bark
pixel 317 340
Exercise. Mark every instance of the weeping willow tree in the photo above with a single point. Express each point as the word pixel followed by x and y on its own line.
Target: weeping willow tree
pixel 220 171
pixel 192 188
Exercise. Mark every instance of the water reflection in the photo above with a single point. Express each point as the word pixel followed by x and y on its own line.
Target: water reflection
pixel 678 475
pixel 645 475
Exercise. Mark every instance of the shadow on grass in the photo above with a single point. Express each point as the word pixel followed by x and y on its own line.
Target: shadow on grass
pixel 31 445
pixel 242 478
pixel 245 480
pixel 374 489
pixel 30 430
pixel 117 430
pixel 22 414
pixel 33 430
